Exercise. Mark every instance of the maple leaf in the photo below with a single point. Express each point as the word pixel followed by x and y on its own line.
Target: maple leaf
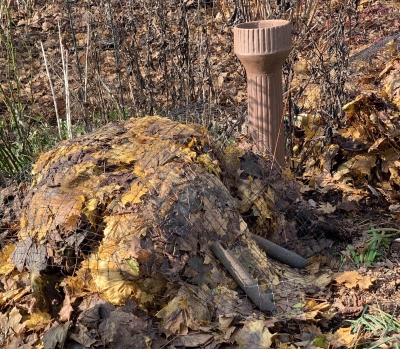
pixel 352 279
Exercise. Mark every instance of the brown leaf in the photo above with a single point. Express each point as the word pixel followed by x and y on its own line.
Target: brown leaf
pixel 184 311
pixel 67 309
pixel 83 336
pixel 194 340
pixel 352 279
pixel 343 337
pixel 253 333
pixel 326 208
pixel 10 323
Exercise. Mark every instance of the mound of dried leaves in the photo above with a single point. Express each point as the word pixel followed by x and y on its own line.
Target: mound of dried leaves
pixel 126 216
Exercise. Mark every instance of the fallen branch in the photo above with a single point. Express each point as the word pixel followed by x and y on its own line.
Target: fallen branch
pixel 243 278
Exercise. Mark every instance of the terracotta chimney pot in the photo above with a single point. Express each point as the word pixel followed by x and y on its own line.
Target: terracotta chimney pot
pixel 262 47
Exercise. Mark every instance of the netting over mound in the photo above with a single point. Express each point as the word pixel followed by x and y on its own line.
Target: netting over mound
pixel 132 210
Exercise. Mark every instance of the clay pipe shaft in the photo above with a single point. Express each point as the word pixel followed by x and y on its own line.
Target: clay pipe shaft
pixel 279 253
pixel 243 278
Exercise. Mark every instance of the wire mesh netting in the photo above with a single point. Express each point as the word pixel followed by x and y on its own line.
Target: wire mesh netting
pixel 139 210
pixel 165 215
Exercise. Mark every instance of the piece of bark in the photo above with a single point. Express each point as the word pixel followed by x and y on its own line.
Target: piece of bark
pixel 280 253
pixel 246 282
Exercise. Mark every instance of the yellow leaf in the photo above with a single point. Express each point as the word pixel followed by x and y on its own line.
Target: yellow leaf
pixel 90 211
pixel 117 156
pixel 53 208
pixel 119 226
pixel 342 338
pixel 37 320
pixel 134 194
pixel 312 305
pixel 191 154
pixel 6 267
pixel 14 295
pixel 106 191
pixel 352 106
pixel 210 166
pixel 134 266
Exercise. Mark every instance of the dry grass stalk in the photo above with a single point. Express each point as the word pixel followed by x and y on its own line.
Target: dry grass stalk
pixel 52 92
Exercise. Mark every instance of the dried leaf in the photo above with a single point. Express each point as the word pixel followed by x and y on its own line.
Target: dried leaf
pixel 352 279
pixel 6 266
pixel 67 309
pixel 37 321
pixel 55 337
pixel 10 323
pixel 183 312
pixel 133 196
pixel 194 340
pixel 342 338
pixel 254 334
pixel 326 208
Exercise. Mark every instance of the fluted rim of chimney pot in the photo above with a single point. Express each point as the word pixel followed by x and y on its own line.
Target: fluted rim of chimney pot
pixel 263 37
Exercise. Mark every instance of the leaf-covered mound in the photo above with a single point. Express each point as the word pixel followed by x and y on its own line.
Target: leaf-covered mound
pixel 130 212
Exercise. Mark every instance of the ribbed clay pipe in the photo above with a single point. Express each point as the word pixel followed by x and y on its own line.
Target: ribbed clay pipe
pixel 246 282
pixel 262 47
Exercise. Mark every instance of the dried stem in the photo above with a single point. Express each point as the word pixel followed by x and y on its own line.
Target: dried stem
pixel 52 92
